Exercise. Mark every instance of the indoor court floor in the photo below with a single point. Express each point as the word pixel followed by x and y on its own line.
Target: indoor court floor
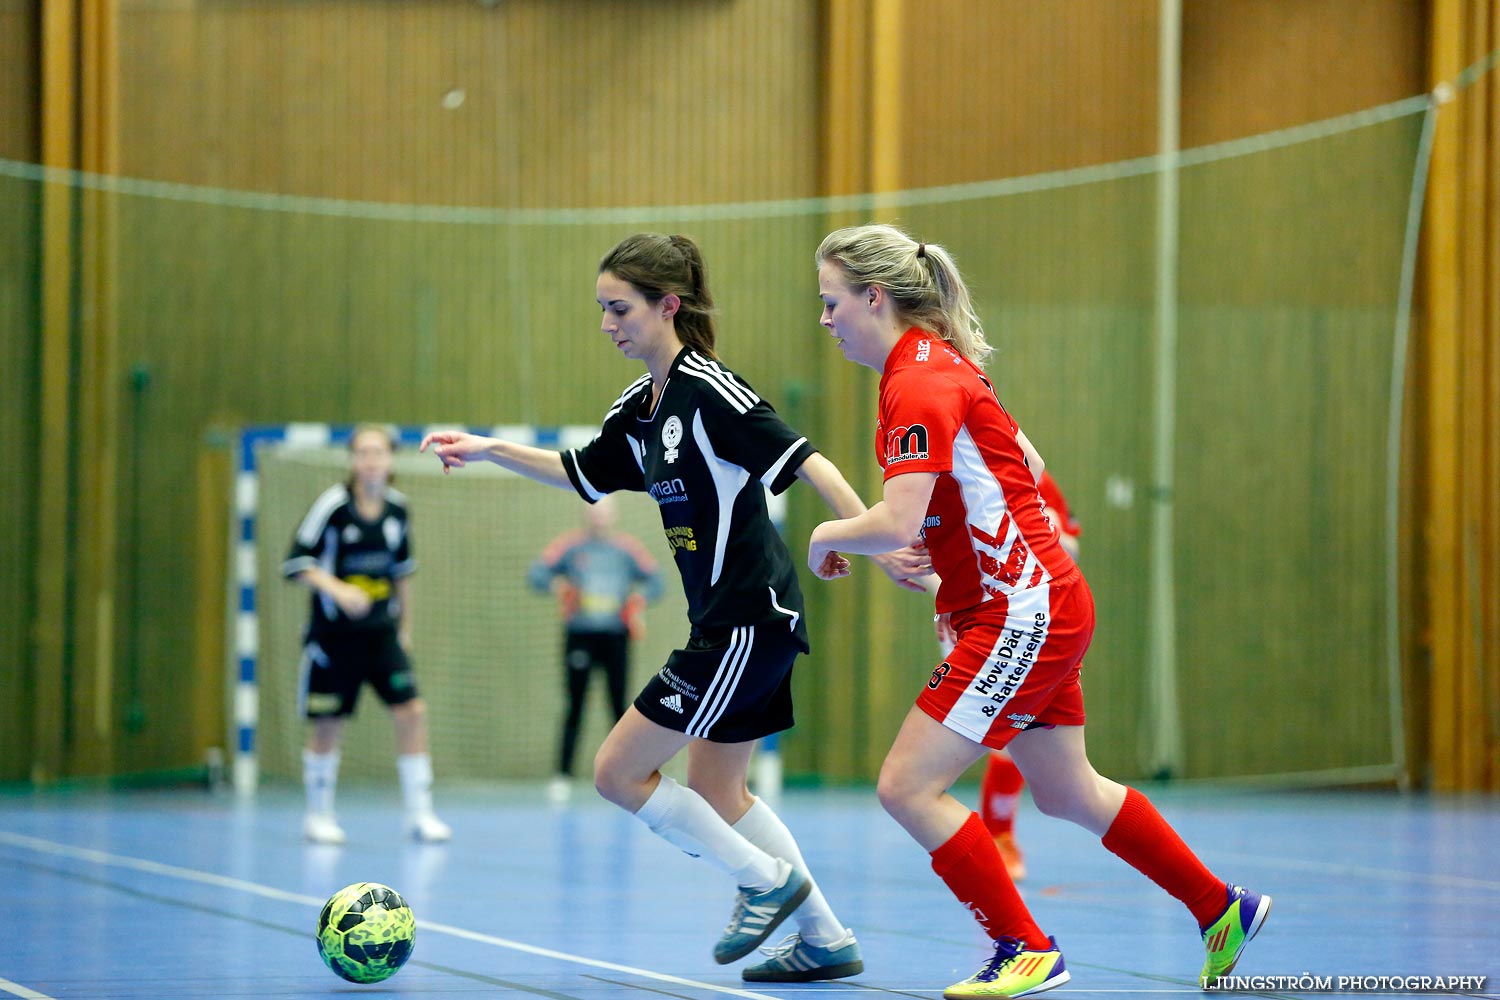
pixel 185 894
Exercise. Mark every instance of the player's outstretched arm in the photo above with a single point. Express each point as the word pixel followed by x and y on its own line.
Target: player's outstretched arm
pixel 455 449
pixel 903 563
pixel 879 532
pixel 825 477
pixel 894 523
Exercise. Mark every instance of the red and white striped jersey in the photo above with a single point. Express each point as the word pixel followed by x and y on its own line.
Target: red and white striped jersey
pixel 986 526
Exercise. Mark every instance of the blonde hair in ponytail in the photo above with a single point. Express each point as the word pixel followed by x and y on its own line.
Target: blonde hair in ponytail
pixel 921 279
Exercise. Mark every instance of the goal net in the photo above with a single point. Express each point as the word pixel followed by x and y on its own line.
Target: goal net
pixel 487 649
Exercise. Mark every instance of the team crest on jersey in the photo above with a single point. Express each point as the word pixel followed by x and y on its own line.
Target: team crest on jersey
pixel 671 436
pixel 903 444
pixel 351 534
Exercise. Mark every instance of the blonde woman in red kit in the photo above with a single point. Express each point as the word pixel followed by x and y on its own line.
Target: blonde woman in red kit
pixel 961 476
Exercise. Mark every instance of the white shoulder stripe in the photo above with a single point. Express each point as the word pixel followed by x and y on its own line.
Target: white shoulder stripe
pixel 738 404
pixel 698 365
pixel 633 387
pixel 630 390
pixel 317 516
pixel 732 379
pixel 729 379
pixel 716 368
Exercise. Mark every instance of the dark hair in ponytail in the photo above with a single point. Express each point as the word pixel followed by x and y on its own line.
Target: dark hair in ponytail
pixel 657 266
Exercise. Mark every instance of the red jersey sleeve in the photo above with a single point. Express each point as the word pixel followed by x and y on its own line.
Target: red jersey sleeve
pixel 921 413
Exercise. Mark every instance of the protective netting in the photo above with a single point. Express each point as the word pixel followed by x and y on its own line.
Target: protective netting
pixel 248 309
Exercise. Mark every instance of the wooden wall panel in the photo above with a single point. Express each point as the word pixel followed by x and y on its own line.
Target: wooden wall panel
pixel 541 103
pixel 1005 88
pixel 1001 88
pixel 1251 66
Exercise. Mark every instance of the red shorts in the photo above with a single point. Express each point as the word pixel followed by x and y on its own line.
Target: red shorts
pixel 1015 666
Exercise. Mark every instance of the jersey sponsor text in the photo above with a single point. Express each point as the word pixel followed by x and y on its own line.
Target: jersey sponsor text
pixel 682 538
pixel 668 491
pixel 1014 657
pixel 904 444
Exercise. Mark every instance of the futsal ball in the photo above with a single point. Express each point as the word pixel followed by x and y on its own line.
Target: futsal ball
pixel 365 932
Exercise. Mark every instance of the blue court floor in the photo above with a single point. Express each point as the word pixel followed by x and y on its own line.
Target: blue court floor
pixel 183 894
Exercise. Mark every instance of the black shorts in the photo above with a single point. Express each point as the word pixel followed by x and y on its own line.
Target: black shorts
pixel 586 650
pixel 336 664
pixel 727 687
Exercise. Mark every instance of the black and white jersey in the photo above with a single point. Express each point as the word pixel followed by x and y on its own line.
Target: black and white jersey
pixel 703 455
pixel 369 554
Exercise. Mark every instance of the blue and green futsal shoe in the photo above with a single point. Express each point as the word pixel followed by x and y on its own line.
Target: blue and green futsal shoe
pixel 1227 936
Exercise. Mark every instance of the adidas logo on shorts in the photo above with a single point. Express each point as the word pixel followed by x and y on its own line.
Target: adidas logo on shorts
pixel 674 702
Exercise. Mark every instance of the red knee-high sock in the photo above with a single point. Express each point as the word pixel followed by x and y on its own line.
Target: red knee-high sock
pixel 970 864
pixel 999 791
pixel 1148 844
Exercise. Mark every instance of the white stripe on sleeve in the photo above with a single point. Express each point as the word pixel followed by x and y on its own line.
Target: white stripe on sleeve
pixel 584 480
pixel 786 456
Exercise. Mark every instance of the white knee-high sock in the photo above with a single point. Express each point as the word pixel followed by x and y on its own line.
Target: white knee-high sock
pixel 683 818
pixel 815 919
pixel 416 782
pixel 320 778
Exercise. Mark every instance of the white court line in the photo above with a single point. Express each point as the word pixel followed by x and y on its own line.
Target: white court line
pixel 253 888
pixel 16 989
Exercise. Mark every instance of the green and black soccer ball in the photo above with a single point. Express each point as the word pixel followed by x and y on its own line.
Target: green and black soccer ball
pixel 365 932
